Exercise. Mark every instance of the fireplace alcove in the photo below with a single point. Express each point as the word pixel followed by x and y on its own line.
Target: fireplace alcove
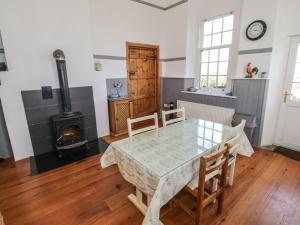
pixel 62 128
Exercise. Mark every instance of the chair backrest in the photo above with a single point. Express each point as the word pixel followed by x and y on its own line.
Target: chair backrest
pixel 132 132
pixel 240 128
pixel 180 116
pixel 234 143
pixel 220 159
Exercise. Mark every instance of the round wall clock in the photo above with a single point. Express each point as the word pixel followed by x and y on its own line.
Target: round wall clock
pixel 256 30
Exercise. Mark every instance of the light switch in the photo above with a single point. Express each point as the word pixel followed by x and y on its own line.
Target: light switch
pixel 98 66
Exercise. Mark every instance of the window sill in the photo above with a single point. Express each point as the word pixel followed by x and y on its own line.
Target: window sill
pixel 209 94
pixel 243 78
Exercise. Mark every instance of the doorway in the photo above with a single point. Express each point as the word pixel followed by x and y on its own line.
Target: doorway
pixel 143 78
pixel 288 128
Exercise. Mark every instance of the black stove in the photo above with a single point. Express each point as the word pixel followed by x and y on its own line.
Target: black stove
pixel 67 127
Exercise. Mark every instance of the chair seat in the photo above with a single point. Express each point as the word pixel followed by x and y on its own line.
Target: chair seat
pixel 193 185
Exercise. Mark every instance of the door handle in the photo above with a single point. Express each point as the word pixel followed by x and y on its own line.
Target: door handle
pixel 286 95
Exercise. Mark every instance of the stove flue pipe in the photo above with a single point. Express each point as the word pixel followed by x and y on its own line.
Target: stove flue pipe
pixel 63 81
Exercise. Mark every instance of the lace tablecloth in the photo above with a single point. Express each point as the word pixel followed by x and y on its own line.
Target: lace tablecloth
pixel 161 162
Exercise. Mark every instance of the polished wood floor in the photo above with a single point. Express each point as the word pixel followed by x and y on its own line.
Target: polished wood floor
pixel 266 192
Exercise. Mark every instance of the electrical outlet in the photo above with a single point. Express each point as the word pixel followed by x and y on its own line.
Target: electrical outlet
pixel 47 92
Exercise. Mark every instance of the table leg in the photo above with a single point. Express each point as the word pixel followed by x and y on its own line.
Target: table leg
pixel 137 200
pixel 149 198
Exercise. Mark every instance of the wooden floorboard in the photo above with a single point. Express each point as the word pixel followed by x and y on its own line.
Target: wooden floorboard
pixel 266 191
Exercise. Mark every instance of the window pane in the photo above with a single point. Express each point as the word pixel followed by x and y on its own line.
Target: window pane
pixel 228 23
pixel 204 57
pixel 204 68
pixel 297 78
pixel 218 23
pixel 223 68
pixel 224 54
pixel 213 69
pixel 296 90
pixel 227 38
pixel 298 55
pixel 214 55
pixel 203 81
pixel 222 81
pixel 207 28
pixel 207 41
pixel 212 81
pixel 216 40
pixel 297 73
pixel 297 68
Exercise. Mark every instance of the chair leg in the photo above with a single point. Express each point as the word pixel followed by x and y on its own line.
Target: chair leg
pixel 231 173
pixel 199 215
pixel 215 185
pixel 220 203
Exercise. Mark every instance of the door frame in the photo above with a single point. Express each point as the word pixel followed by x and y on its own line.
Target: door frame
pixel 288 76
pixel 158 77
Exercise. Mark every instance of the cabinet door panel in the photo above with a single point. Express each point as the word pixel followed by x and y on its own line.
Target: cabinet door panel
pixel 122 113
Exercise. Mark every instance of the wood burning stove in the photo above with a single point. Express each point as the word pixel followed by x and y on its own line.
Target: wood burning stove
pixel 67 127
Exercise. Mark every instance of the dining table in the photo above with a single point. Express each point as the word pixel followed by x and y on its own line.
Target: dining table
pixel 161 162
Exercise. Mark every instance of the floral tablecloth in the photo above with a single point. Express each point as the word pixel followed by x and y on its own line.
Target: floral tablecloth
pixel 161 162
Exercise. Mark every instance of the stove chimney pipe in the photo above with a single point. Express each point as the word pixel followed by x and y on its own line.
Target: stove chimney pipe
pixel 63 81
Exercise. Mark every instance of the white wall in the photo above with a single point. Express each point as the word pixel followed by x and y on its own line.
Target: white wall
pixel 287 24
pixel 33 29
pixel 245 12
pixel 114 22
pixel 174 30
pixel 250 11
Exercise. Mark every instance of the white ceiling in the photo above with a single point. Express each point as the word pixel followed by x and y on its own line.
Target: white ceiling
pixel 162 3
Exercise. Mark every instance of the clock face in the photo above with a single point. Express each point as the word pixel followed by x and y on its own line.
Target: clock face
pixel 256 30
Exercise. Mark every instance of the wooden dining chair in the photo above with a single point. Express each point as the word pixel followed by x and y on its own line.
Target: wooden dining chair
pixel 137 199
pixel 213 166
pixel 130 122
pixel 180 116
pixel 234 145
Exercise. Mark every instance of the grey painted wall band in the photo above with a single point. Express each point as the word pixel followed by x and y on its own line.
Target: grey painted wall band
pixel 1 50
pixel 255 51
pixel 159 7
pixel 110 57
pixel 173 59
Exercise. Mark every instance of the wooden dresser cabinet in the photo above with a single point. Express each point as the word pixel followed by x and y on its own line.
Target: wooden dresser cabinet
pixel 119 111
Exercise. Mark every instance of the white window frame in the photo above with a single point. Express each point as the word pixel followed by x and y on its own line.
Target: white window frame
pixel 201 38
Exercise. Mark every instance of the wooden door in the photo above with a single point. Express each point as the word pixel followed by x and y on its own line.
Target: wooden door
pixel 143 78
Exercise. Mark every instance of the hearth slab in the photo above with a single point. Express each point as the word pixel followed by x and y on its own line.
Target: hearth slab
pixel 49 161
